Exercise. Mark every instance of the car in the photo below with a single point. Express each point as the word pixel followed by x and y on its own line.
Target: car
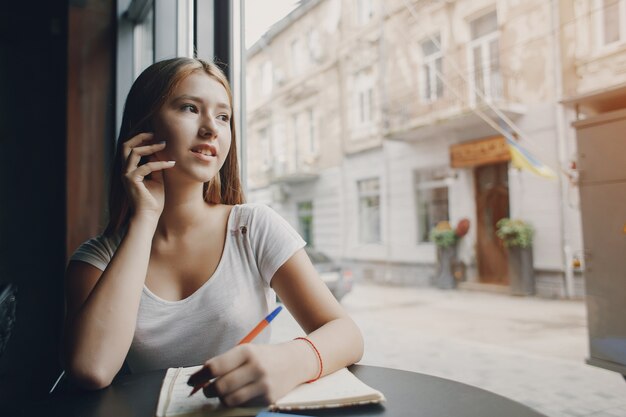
pixel 338 280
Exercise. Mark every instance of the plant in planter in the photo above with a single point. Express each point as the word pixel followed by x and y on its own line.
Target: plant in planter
pixel 446 239
pixel 517 235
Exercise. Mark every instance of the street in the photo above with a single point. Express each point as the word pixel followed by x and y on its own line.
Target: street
pixel 528 349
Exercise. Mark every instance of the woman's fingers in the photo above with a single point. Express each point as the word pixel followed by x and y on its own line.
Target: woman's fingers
pixel 136 153
pixel 139 173
pixel 134 142
pixel 238 386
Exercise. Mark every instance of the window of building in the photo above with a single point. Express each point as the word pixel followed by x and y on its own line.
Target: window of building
pixel 314 45
pixel 431 196
pixel 484 55
pixel 266 78
pixel 305 221
pixel 313 146
pixel 432 86
pixel 296 121
pixel 364 11
pixel 611 19
pixel 363 98
pixel 369 210
pixel 297 57
pixel 266 151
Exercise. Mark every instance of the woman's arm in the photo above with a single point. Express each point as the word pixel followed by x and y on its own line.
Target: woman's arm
pixel 101 309
pixel 265 373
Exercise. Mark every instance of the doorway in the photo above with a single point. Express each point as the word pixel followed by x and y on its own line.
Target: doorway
pixel 492 204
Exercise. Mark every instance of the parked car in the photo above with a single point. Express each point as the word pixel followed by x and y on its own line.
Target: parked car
pixel 339 280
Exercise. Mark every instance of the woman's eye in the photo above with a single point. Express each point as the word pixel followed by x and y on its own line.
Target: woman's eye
pixel 224 117
pixel 189 107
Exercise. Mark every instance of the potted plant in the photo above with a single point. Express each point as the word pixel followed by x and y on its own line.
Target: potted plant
pixel 446 239
pixel 517 235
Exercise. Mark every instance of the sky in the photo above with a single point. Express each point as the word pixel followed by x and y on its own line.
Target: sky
pixel 261 14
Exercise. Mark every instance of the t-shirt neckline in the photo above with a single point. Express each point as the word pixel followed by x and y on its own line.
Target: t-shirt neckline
pixel 212 278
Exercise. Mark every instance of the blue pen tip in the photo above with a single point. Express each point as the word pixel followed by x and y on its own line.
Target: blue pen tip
pixel 273 314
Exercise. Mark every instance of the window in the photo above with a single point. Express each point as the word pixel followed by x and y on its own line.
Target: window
pixel 313 148
pixel 364 95
pixel 432 86
pixel 611 21
pixel 484 55
pixel 296 121
pixel 313 45
pixel 143 48
pixel 296 57
pixel 369 210
pixel 364 10
pixel 266 78
pixel 431 195
pixel 305 221
pixel 266 152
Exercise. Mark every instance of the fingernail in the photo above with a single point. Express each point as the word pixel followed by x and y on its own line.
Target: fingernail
pixel 160 142
pixel 209 391
pixel 171 162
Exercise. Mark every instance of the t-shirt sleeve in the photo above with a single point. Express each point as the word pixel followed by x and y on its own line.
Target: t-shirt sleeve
pixel 97 251
pixel 273 240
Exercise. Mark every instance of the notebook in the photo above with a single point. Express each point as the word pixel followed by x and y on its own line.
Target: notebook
pixel 339 389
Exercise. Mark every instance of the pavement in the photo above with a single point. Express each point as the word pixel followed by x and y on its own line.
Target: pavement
pixel 528 349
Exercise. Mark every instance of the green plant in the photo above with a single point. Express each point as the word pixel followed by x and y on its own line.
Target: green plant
pixel 515 233
pixel 444 236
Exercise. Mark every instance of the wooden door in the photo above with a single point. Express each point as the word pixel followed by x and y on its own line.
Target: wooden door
pixel 492 204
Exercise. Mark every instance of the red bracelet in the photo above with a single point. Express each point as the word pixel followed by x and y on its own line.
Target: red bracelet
pixel 319 358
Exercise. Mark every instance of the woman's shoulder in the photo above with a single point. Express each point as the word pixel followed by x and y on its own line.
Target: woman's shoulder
pixel 99 249
pixel 255 211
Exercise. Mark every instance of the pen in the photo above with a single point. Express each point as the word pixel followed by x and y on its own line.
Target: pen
pixel 247 339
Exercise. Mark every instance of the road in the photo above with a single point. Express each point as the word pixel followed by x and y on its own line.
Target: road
pixel 528 349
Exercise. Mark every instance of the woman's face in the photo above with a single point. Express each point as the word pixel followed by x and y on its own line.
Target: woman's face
pixel 195 124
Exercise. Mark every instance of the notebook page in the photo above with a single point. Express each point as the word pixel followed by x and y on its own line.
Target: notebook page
pixel 338 389
pixel 174 398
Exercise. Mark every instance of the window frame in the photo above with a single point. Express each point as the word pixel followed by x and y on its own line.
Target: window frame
pixel 374 229
pixel 484 43
pixel 436 180
pixel 601 45
pixel 428 80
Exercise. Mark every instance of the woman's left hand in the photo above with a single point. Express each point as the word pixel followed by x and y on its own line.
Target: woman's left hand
pixel 249 374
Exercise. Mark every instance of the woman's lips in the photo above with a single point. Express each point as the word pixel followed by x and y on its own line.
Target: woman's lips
pixel 203 157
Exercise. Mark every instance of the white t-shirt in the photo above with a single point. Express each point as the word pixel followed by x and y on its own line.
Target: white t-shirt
pixel 224 309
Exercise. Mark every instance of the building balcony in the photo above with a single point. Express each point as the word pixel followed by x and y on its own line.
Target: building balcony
pixel 290 174
pixel 458 111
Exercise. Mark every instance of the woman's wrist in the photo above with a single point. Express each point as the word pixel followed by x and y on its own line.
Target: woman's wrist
pixel 144 221
pixel 306 365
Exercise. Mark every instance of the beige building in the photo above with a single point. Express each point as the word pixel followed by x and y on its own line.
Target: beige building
pixel 369 121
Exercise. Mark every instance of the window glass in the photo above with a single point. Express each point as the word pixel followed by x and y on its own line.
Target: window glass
pixel 611 21
pixel 431 192
pixel 305 221
pixel 484 54
pixel 432 85
pixel 369 210
pixel 143 44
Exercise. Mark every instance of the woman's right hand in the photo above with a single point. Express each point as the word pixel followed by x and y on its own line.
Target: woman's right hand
pixel 146 195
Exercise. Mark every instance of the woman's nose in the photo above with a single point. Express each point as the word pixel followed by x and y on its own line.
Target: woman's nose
pixel 208 129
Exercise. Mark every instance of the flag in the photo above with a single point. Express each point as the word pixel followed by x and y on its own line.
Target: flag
pixel 522 159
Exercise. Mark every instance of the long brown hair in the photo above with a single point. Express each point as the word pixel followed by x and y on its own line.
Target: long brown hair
pixel 146 96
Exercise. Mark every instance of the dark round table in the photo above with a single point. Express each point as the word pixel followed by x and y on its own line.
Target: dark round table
pixel 408 394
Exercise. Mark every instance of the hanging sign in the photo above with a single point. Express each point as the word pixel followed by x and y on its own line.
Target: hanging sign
pixel 479 152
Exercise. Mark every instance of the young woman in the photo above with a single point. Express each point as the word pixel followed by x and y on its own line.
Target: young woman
pixel 184 269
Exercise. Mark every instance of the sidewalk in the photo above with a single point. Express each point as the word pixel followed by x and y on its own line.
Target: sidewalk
pixel 528 349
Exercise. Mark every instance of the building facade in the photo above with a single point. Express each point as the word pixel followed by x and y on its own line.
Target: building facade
pixel 371 121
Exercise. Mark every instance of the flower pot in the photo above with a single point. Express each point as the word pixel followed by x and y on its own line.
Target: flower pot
pixel 446 257
pixel 521 271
